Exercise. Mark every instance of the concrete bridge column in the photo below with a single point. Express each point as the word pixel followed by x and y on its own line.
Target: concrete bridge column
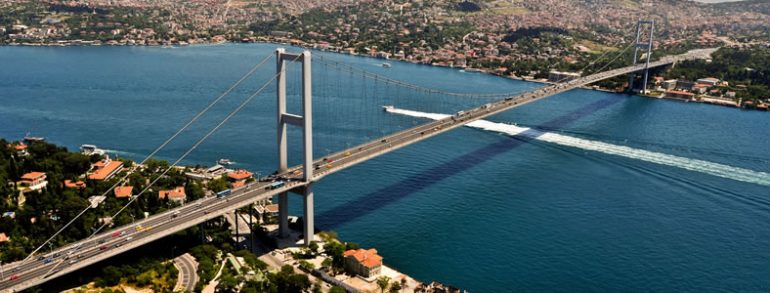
pixel 283 215
pixel 309 216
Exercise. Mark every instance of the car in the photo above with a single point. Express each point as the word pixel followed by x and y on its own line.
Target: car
pixel 48 260
pixel 14 277
pixel 103 247
pixel 129 238
pixel 73 261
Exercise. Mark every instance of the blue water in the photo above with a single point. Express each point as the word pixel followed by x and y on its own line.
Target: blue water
pixel 479 210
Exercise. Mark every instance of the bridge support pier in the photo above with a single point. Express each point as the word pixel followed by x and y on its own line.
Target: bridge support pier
pixel 308 217
pixel 283 215
pixel 304 121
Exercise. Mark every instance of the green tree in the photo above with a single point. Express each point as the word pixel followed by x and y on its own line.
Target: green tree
pixel 383 283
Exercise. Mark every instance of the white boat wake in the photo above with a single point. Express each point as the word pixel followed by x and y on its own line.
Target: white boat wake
pixel 711 168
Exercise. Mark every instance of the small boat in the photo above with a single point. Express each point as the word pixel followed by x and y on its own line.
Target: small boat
pixel 29 138
pixel 388 108
pixel 224 162
pixel 386 65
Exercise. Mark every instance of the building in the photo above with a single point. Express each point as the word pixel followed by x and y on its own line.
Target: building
pixel 21 149
pixel 680 95
pixel 669 85
pixel 238 178
pixel 177 194
pixel 104 170
pixel 33 180
pixel 710 81
pixel 123 191
pixel 559 76
pixel 362 262
pixel 684 85
pixel 74 184
pixel 205 175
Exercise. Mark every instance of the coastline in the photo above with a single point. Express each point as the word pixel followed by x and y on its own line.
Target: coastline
pixel 319 47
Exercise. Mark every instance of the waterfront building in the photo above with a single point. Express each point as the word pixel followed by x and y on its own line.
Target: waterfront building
pixel 363 262
pixel 680 95
pixel 206 175
pixel 669 85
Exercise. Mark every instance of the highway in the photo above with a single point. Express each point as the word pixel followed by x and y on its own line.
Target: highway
pixel 21 275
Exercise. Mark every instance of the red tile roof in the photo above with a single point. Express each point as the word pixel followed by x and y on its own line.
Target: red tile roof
pixel 239 175
pixel 107 170
pixel 20 147
pixel 123 191
pixel 4 238
pixel 272 208
pixel 176 193
pixel 76 184
pixel 368 258
pixel 33 175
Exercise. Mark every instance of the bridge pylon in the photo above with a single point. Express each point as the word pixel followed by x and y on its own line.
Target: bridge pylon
pixel 645 30
pixel 304 121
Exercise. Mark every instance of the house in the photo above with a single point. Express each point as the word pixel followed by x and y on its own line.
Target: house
pixel 363 262
pixel 176 195
pixel 700 88
pixel 11 215
pixel 4 238
pixel 123 191
pixel 730 94
pixel 710 81
pixel 34 180
pixel 238 178
pixel 74 184
pixel 21 149
pixel 104 170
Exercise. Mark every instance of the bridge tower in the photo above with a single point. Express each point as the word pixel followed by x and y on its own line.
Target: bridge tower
pixel 644 37
pixel 304 121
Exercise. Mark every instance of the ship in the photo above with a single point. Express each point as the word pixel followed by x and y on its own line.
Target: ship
pixel 224 162
pixel 29 138
pixel 89 149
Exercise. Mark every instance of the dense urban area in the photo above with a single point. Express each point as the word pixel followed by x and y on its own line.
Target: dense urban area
pixel 518 39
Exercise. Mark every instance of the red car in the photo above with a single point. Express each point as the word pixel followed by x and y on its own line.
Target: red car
pixel 14 277
pixel 103 248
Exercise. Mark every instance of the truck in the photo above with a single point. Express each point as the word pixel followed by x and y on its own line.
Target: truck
pixel 224 193
pixel 274 185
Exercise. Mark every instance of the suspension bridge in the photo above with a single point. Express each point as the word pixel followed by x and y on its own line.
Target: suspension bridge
pixel 299 179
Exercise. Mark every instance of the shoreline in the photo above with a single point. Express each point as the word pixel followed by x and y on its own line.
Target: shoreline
pixel 316 47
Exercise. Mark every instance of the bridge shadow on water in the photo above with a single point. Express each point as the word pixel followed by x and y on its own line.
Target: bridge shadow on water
pixel 371 202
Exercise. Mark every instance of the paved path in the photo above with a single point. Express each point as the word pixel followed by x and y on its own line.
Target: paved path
pixel 188 273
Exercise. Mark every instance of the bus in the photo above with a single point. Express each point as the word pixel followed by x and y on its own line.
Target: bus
pixel 275 185
pixel 224 193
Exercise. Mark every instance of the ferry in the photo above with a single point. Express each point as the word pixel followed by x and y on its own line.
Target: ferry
pixel 29 138
pixel 89 149
pixel 386 65
pixel 224 162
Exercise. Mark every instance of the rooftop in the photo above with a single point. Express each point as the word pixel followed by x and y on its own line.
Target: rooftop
pixel 33 175
pixel 176 193
pixel 239 175
pixel 104 172
pixel 123 191
pixel 369 258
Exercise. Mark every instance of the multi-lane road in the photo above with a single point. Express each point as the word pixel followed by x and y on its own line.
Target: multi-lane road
pixel 21 275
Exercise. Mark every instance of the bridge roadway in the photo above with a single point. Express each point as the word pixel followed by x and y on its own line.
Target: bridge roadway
pixel 22 275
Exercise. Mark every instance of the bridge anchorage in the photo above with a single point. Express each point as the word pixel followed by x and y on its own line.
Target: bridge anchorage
pixel 305 121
